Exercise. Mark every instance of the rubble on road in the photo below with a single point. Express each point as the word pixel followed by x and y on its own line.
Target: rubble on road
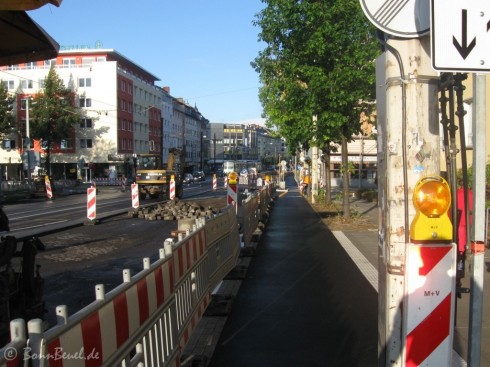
pixel 175 210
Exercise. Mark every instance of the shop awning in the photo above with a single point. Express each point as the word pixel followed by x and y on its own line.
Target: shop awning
pixel 26 4
pixel 23 40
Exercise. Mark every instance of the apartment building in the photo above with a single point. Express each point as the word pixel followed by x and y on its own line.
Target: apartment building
pixel 124 114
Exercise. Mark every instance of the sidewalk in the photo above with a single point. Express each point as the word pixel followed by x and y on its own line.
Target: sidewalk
pixel 302 301
pixel 308 297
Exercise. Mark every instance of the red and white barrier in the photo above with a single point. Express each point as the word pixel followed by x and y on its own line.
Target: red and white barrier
pixel 189 253
pixel 151 316
pixel 172 189
pixel 232 195
pixel 97 337
pixel 215 183
pixel 91 203
pixel 49 191
pixel 431 274
pixel 135 198
pixel 225 182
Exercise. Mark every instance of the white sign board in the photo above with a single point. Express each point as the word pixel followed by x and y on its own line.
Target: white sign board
pixel 402 18
pixel 460 31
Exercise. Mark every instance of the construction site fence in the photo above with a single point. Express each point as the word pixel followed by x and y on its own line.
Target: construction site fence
pixel 145 321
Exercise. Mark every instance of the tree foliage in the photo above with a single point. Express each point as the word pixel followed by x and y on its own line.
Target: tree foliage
pixel 318 60
pixel 7 118
pixel 53 113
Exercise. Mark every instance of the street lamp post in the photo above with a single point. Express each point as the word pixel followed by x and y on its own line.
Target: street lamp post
pixel 214 150
pixel 202 147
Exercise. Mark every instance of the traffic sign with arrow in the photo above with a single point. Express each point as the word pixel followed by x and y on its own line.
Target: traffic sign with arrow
pixel 460 35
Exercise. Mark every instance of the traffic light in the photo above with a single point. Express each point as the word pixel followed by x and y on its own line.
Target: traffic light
pixel 432 199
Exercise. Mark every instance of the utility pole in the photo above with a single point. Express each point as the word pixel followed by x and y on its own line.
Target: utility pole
pixel 408 150
pixel 416 250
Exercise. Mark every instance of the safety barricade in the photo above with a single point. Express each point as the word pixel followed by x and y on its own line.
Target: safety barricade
pixel 248 217
pixel 149 318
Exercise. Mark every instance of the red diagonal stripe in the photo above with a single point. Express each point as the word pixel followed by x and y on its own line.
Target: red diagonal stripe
pixel 53 348
pixel 92 340
pixel 171 272
pixel 144 307
pixel 188 254
pixel 427 336
pixel 194 247
pixel 201 243
pixel 181 261
pixel 431 256
pixel 159 284
pixel 122 318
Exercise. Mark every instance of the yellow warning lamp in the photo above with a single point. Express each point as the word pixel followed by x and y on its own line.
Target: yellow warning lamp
pixel 232 178
pixel 432 199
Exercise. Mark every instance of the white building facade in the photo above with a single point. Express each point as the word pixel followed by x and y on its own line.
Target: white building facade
pixel 124 114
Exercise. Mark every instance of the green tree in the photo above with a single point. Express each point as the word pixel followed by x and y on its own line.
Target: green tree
pixel 7 118
pixel 318 60
pixel 53 114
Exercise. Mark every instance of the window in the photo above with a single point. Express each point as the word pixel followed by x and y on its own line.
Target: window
pixel 101 58
pixel 66 144
pixel 30 65
pixel 9 84
pixel 69 62
pixel 88 60
pixel 85 143
pixel 48 63
pixel 85 102
pixel 42 83
pixel 85 82
pixel 86 124
pixel 8 144
pixel 26 84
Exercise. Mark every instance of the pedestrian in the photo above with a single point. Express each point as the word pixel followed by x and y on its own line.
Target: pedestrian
pixel 306 182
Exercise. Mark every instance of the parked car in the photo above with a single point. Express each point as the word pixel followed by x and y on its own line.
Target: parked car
pixel 188 178
pixel 199 176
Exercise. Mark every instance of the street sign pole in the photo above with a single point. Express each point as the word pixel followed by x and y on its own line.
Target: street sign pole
pixel 479 223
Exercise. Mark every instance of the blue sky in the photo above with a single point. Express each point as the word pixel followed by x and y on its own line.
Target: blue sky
pixel 201 49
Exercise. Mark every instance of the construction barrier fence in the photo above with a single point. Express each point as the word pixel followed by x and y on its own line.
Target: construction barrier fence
pixel 148 319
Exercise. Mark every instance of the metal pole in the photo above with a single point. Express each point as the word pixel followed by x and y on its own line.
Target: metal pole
pixel 28 142
pixel 214 150
pixel 202 137
pixel 478 257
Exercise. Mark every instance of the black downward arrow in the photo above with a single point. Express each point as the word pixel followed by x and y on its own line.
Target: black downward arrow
pixel 464 49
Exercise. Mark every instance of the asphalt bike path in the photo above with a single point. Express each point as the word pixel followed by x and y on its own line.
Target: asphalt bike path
pixel 303 302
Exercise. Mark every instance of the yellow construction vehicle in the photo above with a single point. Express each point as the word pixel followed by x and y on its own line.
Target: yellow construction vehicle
pixel 153 177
